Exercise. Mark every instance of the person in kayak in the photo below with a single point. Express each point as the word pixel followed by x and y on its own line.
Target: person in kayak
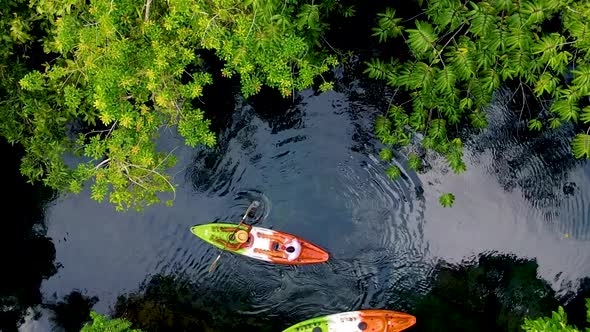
pixel 239 238
pixel 293 249
pixel 290 249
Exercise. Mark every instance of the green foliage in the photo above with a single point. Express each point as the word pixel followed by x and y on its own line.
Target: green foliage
pixel 461 52
pixel 101 323
pixel 446 200
pixel 535 124
pixel 556 323
pixel 393 172
pixel 121 71
pixel 581 146
pixel 388 25
pixel 386 154
pixel 414 162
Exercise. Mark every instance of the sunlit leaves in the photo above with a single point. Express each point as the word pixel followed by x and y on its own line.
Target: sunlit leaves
pixel 418 119
pixel 386 154
pixel 460 57
pixel 195 129
pixel 376 69
pixel 422 38
pixel 462 61
pixel 309 17
pixel 398 116
pixel 33 81
pixel 576 21
pixel 388 25
pixel 518 38
pixel 548 47
pixel 581 146
pixel 382 125
pixel 19 29
pixel 393 172
pixel 533 11
pixel 554 123
pixel 546 83
pixel 445 81
pixel 447 13
pixel 535 124
pixel 446 199
pixel 72 97
pixel 482 22
pixel 567 110
pixel 326 86
pixel 454 155
pixel 119 73
pixel 437 129
pixel 582 75
pixel 414 161
pixel 557 322
pixel 490 80
pixel 101 323
pixel 478 119
pixel 585 115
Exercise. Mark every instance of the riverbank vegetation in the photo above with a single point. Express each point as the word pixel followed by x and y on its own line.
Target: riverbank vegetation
pixel 95 81
pixel 99 79
pixel 556 323
pixel 457 53
pixel 101 323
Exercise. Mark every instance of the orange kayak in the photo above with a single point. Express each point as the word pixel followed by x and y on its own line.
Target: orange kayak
pixel 370 320
pixel 263 244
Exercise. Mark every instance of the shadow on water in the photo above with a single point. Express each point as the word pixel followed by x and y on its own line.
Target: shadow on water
pixel 72 311
pixel 27 255
pixel 576 306
pixel 178 303
pixel 490 293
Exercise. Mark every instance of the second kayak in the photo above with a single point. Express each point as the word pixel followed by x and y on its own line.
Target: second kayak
pixel 357 321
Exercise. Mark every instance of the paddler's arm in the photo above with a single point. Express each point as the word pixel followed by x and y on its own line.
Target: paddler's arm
pixel 228 245
pixel 279 239
pixel 277 254
pixel 243 224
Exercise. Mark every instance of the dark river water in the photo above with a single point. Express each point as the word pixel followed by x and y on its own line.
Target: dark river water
pixel 516 243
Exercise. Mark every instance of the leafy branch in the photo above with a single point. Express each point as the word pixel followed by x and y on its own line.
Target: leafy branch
pixel 462 52
pixel 120 71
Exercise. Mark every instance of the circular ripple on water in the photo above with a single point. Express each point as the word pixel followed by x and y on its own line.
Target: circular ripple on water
pixel 332 195
pixel 572 219
pixel 385 213
pixel 537 164
pixel 244 198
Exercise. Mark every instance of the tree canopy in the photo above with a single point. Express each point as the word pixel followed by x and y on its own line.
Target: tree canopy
pixel 556 323
pixel 459 52
pixel 113 73
pixel 101 323
pixel 98 79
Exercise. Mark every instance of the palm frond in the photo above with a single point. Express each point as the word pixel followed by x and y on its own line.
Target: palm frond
pixel 585 116
pixel 535 124
pixel 581 146
pixel 422 38
pixel 437 129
